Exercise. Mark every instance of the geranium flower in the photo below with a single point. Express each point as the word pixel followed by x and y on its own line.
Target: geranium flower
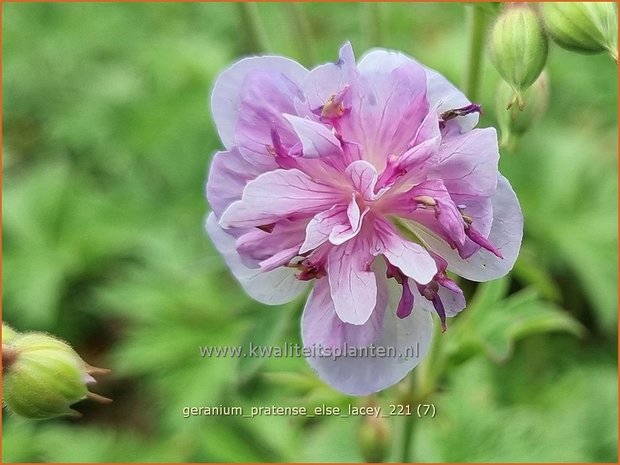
pixel 367 183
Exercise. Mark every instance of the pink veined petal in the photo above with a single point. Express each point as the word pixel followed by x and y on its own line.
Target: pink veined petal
pixel 265 98
pixel 480 210
pixel 388 107
pixel 321 327
pixel 228 175
pixel 320 227
pixel 363 176
pixel 256 245
pixel 441 94
pixel 444 215
pixel 346 231
pixel 453 300
pixel 226 94
pixel 467 163
pixel 506 234
pixel 353 284
pixel 412 259
pixel 327 80
pixel 317 141
pixel 275 195
pixel 408 339
pixel 272 288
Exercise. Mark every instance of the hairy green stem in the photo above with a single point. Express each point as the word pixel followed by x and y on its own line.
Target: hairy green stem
pixel 476 30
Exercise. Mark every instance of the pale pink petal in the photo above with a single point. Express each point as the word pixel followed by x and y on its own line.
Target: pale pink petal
pixel 430 203
pixel 363 176
pixel 329 79
pixel 321 327
pixel 228 176
pixel 345 231
pixel 265 99
pixel 257 245
pixel 412 259
pixel 353 284
pixel 467 163
pixel 226 95
pixel 407 339
pixel 275 195
pixel 506 234
pixel 441 94
pixel 317 141
pixel 388 107
pixel 272 288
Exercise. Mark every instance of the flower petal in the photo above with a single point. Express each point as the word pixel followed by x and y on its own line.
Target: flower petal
pixel 228 175
pixel 276 195
pixel 363 176
pixel 317 141
pixel 329 79
pixel 321 327
pixel 467 163
pixel 388 107
pixel 441 215
pixel 226 95
pixel 506 234
pixel 353 284
pixel 408 339
pixel 441 94
pixel 412 259
pixel 272 288
pixel 257 245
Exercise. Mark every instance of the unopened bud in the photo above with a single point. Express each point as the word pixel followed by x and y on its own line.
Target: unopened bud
pixel 375 439
pixel 8 333
pixel 586 27
pixel 518 48
pixel 514 122
pixel 46 377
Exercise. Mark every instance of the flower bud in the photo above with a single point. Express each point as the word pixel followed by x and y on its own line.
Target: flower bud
pixel 518 48
pixel 375 439
pixel 8 333
pixel 586 27
pixel 46 377
pixel 514 122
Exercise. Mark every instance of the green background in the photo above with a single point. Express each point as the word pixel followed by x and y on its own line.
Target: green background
pixel 107 141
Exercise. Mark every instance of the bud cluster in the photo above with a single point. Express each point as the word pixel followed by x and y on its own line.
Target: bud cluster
pixel 43 376
pixel 519 48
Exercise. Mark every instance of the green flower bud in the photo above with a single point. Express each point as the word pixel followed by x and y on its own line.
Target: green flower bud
pixel 518 48
pixel 8 333
pixel 514 122
pixel 45 377
pixel 586 27
pixel 375 439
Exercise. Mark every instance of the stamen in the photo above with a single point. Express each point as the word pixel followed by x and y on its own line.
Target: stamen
pixel 334 107
pixel 482 241
pixel 463 111
pixel 426 200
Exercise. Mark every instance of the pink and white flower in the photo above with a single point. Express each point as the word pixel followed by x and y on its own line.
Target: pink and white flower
pixel 366 182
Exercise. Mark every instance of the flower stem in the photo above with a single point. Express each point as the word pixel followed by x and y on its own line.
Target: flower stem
pixel 424 383
pixel 251 23
pixel 303 32
pixel 476 29
pixel 371 23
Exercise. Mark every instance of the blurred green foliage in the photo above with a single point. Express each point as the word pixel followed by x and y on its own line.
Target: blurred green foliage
pixel 107 140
